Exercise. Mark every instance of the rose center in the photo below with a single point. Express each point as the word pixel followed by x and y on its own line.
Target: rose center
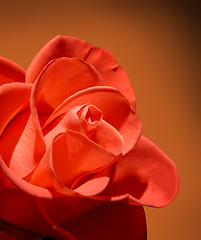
pixel 90 117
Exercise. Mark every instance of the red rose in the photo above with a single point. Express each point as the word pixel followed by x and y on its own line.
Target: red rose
pixel 74 164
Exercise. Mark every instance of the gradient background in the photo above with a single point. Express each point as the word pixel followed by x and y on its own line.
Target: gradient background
pixel 158 45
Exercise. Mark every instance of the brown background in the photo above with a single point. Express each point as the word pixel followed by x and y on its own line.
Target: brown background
pixel 158 45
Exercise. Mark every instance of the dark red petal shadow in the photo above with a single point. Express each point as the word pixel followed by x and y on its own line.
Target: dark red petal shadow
pixel 19 209
pixel 65 208
pixel 110 221
pixel 11 232
pixel 24 217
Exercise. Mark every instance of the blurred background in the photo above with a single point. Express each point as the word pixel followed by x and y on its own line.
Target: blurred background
pixel 158 43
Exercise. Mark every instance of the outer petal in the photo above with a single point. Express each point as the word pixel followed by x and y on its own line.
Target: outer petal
pixel 146 175
pixel 14 98
pixel 56 48
pixel 22 184
pixel 101 59
pixel 10 72
pixel 11 232
pixel 113 74
pixel 62 78
pixel 19 209
pixel 110 221
pixel 23 213
pixel 66 208
pixel 22 151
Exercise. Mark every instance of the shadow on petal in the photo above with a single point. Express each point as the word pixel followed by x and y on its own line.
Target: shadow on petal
pixel 110 221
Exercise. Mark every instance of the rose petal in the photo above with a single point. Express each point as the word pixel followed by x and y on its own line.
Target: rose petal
pixel 98 131
pixel 147 174
pixel 22 184
pixel 131 131
pixel 14 98
pixel 19 209
pixel 43 175
pixel 90 117
pixel 11 232
pixel 110 221
pixel 94 185
pixel 62 78
pixel 56 48
pixel 74 154
pixel 62 209
pixel 6 236
pixel 22 152
pixel 4 182
pixel 10 72
pixel 71 120
pixel 113 74
pixel 108 137
pixel 101 59
pixel 111 102
pixel 51 229
pixel 115 108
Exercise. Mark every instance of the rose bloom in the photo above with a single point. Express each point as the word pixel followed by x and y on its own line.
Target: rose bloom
pixel 73 162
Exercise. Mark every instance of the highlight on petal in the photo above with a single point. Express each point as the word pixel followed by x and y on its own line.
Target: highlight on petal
pixel 22 151
pixel 103 60
pixel 110 221
pixel 10 72
pixel 146 175
pixel 14 98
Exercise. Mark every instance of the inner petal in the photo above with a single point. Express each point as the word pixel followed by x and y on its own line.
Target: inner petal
pixel 108 137
pixel 90 117
pixel 73 155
